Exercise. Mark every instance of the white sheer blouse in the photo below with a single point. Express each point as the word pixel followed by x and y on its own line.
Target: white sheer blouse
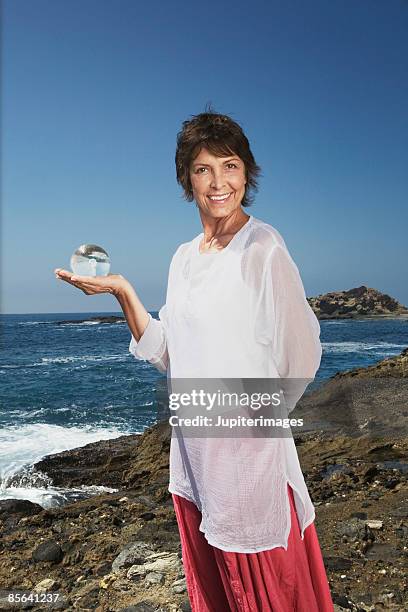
pixel 237 313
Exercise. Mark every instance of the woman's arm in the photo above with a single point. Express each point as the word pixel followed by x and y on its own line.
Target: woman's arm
pixel 288 324
pixel 148 340
pixel 296 343
pixel 135 313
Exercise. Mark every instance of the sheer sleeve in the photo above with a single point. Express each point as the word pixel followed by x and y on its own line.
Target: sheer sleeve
pixel 286 322
pixel 152 345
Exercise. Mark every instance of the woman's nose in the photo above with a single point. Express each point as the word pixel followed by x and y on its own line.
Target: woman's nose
pixel 217 180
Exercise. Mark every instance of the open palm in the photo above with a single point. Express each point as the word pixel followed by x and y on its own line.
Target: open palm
pixel 91 285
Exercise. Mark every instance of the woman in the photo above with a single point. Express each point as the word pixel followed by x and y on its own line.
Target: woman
pixel 235 309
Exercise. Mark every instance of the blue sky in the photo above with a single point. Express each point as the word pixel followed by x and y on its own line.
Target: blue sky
pixel 94 93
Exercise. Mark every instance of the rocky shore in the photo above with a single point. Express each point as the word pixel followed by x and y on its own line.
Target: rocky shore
pixel 121 551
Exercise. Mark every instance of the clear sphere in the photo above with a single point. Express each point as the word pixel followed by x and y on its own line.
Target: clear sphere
pixel 90 260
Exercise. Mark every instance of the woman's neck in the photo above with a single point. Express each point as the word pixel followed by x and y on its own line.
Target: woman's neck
pixel 219 231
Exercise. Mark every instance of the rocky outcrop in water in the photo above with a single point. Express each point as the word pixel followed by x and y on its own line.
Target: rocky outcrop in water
pixel 107 319
pixel 356 303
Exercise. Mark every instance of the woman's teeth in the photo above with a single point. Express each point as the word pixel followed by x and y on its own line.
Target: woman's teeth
pixel 220 198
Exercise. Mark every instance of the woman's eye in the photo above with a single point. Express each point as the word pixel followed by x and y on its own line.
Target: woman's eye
pixel 198 170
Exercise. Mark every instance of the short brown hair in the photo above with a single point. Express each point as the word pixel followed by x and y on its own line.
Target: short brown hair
pixel 222 136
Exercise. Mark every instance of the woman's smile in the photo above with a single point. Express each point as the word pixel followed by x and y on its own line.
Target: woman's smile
pixel 220 198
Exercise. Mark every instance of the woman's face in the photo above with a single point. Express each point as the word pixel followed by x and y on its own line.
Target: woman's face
pixel 213 178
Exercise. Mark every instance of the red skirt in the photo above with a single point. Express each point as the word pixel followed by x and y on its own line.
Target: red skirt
pixel 275 580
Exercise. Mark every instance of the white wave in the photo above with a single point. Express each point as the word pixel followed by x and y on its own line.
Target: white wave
pixel 74 358
pixel 78 324
pixel 33 322
pixel 358 347
pixel 46 361
pixel 89 323
pixel 22 446
pixel 72 323
pixel 329 322
pixel 49 496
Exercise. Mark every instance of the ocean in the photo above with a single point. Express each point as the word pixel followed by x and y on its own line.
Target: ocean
pixel 65 385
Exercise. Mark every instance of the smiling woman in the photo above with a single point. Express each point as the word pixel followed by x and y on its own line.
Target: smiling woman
pixel 218 184
pixel 203 155
pixel 235 309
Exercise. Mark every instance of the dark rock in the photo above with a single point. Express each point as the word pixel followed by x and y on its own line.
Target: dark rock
pixel 21 507
pixel 381 551
pixel 337 563
pixel 93 464
pixel 48 551
pixel 342 601
pixel 359 515
pixel 148 516
pixel 14 544
pixel 391 484
pixel 370 473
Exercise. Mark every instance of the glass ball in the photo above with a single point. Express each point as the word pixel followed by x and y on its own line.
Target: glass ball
pixel 90 260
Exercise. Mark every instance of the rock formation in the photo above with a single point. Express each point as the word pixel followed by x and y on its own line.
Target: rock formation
pixel 356 303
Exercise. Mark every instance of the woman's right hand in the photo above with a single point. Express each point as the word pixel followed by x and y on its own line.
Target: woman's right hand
pixel 115 284
pixel 135 313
